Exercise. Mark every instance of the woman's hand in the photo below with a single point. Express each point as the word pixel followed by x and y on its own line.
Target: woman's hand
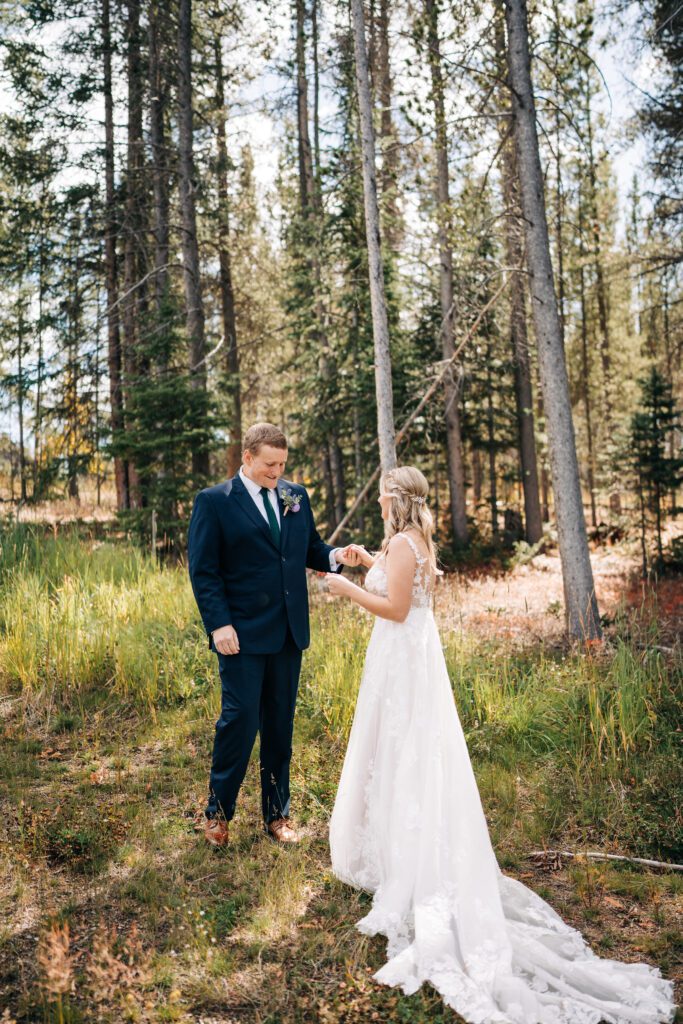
pixel 338 586
pixel 364 557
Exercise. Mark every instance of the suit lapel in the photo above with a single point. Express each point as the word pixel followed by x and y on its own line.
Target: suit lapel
pixel 248 506
pixel 285 523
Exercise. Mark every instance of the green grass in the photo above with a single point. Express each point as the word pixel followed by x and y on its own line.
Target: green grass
pixel 79 617
pixel 108 697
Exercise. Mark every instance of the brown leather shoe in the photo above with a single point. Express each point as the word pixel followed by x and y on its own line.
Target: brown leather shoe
pixel 281 831
pixel 216 831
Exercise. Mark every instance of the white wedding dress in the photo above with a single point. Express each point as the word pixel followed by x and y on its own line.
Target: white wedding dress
pixel 408 826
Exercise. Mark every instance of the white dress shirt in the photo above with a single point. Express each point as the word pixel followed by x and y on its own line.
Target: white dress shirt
pixel 254 491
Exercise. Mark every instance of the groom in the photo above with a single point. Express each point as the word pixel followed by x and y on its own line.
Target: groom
pixel 249 543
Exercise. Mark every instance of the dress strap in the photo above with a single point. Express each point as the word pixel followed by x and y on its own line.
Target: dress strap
pixel 416 551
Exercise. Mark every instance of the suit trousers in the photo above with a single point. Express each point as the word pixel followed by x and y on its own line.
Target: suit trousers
pixel 258 694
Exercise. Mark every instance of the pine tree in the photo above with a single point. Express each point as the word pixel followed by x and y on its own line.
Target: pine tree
pixel 656 471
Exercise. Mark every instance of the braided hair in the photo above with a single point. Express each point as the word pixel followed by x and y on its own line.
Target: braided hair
pixel 409 489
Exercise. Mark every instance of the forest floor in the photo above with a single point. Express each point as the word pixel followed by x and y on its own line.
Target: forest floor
pixel 525 604
pixel 112 907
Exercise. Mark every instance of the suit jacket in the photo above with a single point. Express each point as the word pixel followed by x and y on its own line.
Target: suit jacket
pixel 241 578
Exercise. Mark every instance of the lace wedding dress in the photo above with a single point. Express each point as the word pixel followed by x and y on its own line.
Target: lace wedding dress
pixel 408 826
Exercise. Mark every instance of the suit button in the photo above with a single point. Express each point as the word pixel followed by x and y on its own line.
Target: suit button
pixel 286 592
pixel 284 559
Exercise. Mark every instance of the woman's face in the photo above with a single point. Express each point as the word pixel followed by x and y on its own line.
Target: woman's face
pixel 385 501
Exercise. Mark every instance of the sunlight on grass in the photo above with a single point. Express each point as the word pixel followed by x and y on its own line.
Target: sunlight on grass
pixel 78 616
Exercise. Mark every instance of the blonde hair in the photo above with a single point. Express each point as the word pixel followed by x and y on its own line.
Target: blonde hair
pixel 260 434
pixel 409 510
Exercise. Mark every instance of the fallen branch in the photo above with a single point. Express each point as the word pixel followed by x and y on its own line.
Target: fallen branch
pixel 419 407
pixel 591 855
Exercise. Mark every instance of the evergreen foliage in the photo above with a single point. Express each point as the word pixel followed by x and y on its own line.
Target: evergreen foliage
pixel 656 453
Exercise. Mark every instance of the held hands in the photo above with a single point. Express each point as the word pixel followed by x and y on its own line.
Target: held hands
pixel 225 640
pixel 350 555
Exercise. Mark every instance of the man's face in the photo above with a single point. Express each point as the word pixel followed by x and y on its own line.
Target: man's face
pixel 266 466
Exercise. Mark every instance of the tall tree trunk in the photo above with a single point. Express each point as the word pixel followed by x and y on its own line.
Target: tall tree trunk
pixel 232 365
pixel 110 266
pixel 311 209
pixel 20 402
pixel 159 147
pixel 670 358
pixel 491 437
pixel 316 95
pixel 559 196
pixel 600 283
pixel 97 375
pixel 194 306
pixel 456 468
pixel 132 301
pixel 518 325
pixel 580 601
pixel 388 183
pixel 71 402
pixel 476 476
pixel 306 186
pixel 585 369
pixel 522 370
pixel 602 297
pixel 338 480
pixel 38 431
pixel 380 322
pixel 545 477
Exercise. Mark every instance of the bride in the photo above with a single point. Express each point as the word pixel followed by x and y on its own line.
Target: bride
pixel 408 824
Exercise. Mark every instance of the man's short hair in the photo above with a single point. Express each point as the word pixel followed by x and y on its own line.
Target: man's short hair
pixel 263 433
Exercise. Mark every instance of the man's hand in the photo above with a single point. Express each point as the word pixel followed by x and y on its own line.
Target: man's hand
pixel 225 640
pixel 350 555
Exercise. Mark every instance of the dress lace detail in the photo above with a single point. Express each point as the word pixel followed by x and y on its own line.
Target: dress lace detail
pixel 408 827
pixel 423 580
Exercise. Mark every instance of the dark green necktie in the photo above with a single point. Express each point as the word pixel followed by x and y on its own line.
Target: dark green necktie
pixel 272 518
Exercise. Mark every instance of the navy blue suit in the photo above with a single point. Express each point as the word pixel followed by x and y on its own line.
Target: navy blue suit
pixel 241 578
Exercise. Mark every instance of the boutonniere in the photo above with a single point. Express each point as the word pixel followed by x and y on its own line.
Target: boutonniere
pixel 291 500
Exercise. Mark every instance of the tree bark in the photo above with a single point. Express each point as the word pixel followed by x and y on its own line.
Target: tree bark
pixel 388 182
pixel 476 477
pixel 38 430
pixel 514 242
pixel 491 438
pixel 600 283
pixel 311 209
pixel 581 605
pixel 132 302
pixel 520 348
pixel 306 181
pixel 585 369
pixel 380 322
pixel 232 364
pixel 559 196
pixel 194 305
pixel 20 401
pixel 456 468
pixel 159 144
pixel 110 265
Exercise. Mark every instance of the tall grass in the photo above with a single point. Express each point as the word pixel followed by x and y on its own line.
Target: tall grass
pixel 78 616
pixel 596 737
pixel 333 664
